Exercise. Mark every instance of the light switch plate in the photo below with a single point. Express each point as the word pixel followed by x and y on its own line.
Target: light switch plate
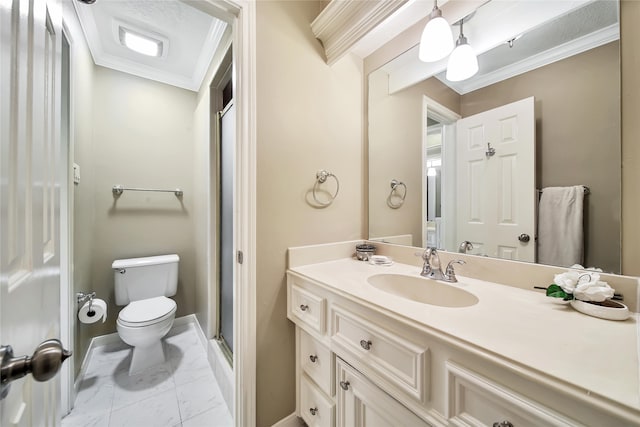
pixel 76 173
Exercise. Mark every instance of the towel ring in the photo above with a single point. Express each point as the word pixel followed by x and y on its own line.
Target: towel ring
pixel 321 178
pixel 394 187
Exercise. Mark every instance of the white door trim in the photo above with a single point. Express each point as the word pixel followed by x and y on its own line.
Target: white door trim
pixel 245 303
pixel 242 14
pixel 437 111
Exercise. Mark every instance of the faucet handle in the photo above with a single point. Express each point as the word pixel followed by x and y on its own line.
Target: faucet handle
pixel 449 273
pixel 425 255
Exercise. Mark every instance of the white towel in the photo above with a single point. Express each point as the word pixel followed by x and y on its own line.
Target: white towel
pixel 560 229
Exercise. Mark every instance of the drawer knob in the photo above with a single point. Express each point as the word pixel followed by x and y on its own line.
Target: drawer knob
pixel 313 358
pixel 344 385
pixel 503 424
pixel 304 307
pixel 313 411
pixel 365 344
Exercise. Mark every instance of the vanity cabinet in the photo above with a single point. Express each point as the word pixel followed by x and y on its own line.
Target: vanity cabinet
pixel 360 403
pixel 359 364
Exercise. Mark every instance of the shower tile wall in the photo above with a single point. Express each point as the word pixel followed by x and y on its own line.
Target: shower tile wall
pixel 180 392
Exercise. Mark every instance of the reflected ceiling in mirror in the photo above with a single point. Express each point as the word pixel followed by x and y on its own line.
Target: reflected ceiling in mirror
pixel 569 63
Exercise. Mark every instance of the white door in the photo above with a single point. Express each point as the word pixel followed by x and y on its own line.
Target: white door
pixel 496 184
pixel 29 198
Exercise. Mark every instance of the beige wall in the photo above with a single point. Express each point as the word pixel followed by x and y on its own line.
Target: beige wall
pixel 395 147
pixel 630 53
pixel 81 74
pixel 309 118
pixel 577 136
pixel 142 137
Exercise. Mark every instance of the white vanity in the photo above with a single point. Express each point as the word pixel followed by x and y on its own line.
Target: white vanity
pixel 515 358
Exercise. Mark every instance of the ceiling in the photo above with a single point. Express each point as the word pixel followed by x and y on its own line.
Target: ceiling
pixel 191 38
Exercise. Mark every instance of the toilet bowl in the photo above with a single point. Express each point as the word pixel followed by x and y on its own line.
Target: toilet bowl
pixel 143 286
pixel 142 324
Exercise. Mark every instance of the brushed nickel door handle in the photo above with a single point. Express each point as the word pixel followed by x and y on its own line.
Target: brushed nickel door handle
pixel 44 364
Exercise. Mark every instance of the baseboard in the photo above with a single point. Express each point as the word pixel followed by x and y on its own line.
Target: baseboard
pixel 191 318
pixel 96 342
pixel 290 421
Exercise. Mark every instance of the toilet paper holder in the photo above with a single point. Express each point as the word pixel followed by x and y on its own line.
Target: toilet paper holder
pixel 82 297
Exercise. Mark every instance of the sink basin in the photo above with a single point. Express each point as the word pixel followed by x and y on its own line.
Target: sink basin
pixel 423 290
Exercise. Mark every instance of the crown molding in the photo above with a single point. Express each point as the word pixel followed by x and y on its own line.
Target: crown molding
pixel 343 23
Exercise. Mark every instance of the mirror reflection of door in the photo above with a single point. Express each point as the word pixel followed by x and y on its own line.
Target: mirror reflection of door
pixel 434 184
pixel 496 183
pixel 438 175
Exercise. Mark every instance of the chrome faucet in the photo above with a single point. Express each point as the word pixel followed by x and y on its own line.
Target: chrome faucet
pixel 465 246
pixel 433 270
pixel 431 267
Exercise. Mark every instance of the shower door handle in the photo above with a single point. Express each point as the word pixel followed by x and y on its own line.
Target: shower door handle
pixel 44 364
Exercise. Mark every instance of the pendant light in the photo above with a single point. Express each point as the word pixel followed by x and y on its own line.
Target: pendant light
pixel 463 62
pixel 437 39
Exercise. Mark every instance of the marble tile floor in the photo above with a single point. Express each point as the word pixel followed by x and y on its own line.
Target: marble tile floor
pixel 182 392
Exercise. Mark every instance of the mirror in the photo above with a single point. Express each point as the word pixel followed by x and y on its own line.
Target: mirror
pixel 569 63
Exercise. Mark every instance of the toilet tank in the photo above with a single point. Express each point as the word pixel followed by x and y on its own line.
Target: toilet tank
pixel 142 278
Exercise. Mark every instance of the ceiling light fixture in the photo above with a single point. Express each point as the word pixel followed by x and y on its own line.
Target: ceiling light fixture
pixel 138 43
pixel 437 39
pixel 463 62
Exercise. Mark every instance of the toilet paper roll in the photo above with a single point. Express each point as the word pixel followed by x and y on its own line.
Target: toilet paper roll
pixel 98 311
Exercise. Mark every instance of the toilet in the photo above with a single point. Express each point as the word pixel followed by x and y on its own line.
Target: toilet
pixel 143 285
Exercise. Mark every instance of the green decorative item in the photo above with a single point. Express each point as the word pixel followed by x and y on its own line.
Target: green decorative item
pixel 556 291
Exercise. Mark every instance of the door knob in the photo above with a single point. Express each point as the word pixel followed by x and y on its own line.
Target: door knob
pixel 524 238
pixel 44 364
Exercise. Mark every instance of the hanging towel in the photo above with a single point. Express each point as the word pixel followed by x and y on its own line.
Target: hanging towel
pixel 560 230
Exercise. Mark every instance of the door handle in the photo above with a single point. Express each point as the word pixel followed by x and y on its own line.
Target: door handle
pixel 524 237
pixel 44 364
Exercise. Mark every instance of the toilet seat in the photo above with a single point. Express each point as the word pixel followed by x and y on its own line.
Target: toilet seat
pixel 147 312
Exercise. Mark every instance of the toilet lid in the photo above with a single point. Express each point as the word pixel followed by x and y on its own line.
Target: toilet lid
pixel 147 311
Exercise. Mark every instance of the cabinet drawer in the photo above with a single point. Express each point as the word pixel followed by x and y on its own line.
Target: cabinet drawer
pixel 317 361
pixel 392 357
pixel 315 408
pixel 308 308
pixel 475 400
pixel 360 403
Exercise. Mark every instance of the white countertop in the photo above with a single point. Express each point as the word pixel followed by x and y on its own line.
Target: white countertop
pixel 525 327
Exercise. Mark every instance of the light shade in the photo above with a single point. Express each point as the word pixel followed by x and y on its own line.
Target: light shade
pixel 463 62
pixel 139 43
pixel 437 39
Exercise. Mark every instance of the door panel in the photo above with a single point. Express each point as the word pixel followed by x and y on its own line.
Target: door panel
pixel 496 189
pixel 29 196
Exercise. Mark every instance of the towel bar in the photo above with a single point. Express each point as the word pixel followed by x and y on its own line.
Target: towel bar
pixel 587 190
pixel 119 189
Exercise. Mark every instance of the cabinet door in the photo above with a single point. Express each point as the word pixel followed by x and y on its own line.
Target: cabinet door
pixel 360 403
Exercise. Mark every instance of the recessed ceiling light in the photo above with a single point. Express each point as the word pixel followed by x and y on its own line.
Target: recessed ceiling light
pixel 139 43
